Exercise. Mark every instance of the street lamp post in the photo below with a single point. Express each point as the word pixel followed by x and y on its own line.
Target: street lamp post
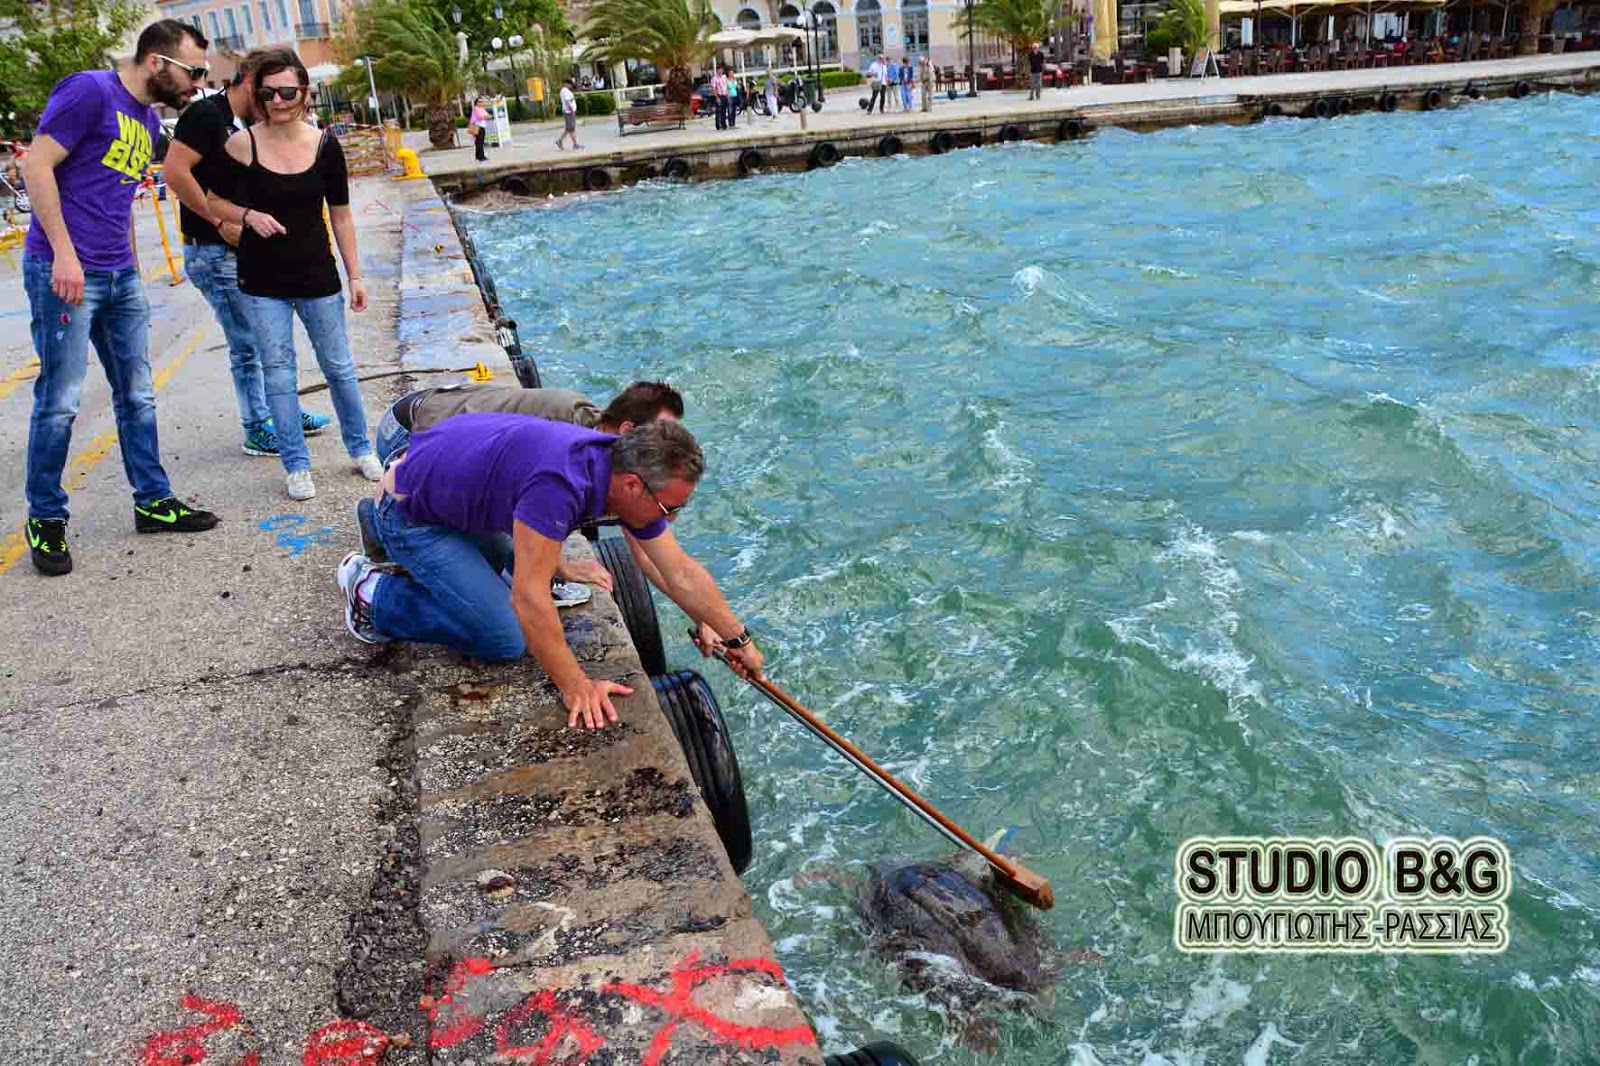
pixel 372 87
pixel 972 57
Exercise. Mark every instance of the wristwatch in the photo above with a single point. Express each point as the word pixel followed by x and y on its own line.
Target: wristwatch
pixel 739 641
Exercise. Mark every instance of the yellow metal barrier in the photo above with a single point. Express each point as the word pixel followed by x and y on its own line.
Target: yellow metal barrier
pixel 161 224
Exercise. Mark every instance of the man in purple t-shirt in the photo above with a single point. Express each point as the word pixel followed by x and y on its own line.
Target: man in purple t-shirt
pixel 82 277
pixel 463 484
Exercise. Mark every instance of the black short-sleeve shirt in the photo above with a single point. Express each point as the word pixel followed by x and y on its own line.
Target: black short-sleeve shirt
pixel 205 126
pixel 298 264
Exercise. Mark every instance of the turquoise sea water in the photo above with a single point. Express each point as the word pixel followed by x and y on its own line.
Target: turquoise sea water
pixel 1218 481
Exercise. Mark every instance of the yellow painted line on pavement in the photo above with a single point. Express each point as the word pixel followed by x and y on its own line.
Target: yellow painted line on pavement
pixel 19 377
pixel 14 545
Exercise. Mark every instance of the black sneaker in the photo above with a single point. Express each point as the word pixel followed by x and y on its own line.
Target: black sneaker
pixel 170 515
pixel 47 540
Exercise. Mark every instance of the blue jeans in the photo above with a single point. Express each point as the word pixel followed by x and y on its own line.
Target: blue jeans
pixel 214 269
pixel 115 317
pixel 392 437
pixel 272 322
pixel 452 592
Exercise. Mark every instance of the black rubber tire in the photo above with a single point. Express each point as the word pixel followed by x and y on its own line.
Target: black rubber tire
pixel 1342 105
pixel 1323 107
pixel 1388 102
pixel 750 160
pixel 1010 132
pixel 697 722
pixel 1432 99
pixel 890 145
pixel 1272 110
pixel 1521 89
pixel 675 169
pixel 597 179
pixel 516 186
pixel 1472 92
pixel 1071 128
pixel 880 1053
pixel 941 142
pixel 825 154
pixel 633 600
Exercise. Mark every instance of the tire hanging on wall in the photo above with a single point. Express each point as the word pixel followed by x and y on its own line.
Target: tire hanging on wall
pixel 941 142
pixel 1521 89
pixel 1323 107
pixel 825 154
pixel 1341 105
pixel 675 169
pixel 1070 128
pixel 750 160
pixel 1432 99
pixel 632 594
pixel 1010 132
pixel 1388 102
pixel 890 145
pixel 597 179
pixel 697 722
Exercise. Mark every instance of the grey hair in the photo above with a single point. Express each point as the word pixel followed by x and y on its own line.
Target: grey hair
pixel 658 452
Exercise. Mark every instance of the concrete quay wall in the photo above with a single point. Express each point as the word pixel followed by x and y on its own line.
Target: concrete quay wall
pixel 699 153
pixel 571 887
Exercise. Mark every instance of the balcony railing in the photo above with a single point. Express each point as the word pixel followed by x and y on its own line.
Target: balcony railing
pixel 313 31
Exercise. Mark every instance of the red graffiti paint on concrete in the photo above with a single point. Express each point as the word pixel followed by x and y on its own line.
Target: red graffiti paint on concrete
pixel 461 1024
pixel 183 1046
pixel 562 1026
pixel 680 1007
pixel 346 1043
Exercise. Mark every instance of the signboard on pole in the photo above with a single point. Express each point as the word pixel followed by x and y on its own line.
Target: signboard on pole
pixel 499 123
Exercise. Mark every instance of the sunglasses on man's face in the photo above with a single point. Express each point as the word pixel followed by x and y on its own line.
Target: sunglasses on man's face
pixel 286 93
pixel 197 73
pixel 666 512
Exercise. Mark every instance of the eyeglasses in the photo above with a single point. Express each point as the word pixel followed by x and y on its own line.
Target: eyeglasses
pixel 286 93
pixel 666 512
pixel 198 73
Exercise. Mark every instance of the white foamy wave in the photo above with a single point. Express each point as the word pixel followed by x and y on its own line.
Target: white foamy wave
pixel 1162 271
pixel 1256 1054
pixel 1213 999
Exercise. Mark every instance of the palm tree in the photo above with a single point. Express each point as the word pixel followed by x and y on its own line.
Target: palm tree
pixel 1021 23
pixel 416 55
pixel 1186 24
pixel 671 34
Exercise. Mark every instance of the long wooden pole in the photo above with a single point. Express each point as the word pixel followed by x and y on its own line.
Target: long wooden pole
pixel 1018 878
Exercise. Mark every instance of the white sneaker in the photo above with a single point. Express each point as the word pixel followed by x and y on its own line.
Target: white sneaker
pixel 356 576
pixel 570 593
pixel 301 486
pixel 369 467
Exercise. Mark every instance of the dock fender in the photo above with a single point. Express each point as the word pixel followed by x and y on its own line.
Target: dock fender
pixel 1388 101
pixel 675 169
pixel 632 594
pixel 516 186
pixel 882 1053
pixel 1342 105
pixel 1472 92
pixel 597 179
pixel 1070 128
pixel 1324 107
pixel 1432 99
pixel 1272 110
pixel 1522 89
pixel 825 154
pixel 750 159
pixel 697 722
pixel 890 145
pixel 1010 132
pixel 941 142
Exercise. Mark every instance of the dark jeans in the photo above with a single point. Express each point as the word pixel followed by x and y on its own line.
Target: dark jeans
pixel 880 97
pixel 478 143
pixel 722 111
pixel 114 317
pixel 451 593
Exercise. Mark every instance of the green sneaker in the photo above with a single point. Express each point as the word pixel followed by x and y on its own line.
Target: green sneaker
pixel 47 540
pixel 171 515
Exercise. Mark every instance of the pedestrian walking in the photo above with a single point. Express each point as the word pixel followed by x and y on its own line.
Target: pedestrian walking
pixel 877 74
pixel 925 70
pixel 905 83
pixel 733 100
pixel 719 97
pixel 569 115
pixel 195 163
pixel 1036 72
pixel 772 96
pixel 478 129
pixel 81 274
pixel 285 173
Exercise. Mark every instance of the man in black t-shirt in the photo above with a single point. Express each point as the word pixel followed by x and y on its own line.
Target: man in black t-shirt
pixel 196 164
pixel 1036 72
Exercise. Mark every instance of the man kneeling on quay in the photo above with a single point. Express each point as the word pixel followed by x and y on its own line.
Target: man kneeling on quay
pixel 447 503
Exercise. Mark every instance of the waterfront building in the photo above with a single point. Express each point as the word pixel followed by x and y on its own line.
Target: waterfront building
pixel 234 27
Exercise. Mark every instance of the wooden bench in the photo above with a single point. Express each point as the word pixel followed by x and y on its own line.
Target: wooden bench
pixel 651 115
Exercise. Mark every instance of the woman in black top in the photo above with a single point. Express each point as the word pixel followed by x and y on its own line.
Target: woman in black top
pixel 285 170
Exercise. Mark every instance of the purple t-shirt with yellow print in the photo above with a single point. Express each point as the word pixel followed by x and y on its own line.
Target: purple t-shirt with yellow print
pixel 108 135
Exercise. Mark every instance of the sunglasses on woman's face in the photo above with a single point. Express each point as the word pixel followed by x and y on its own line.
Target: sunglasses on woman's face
pixel 286 93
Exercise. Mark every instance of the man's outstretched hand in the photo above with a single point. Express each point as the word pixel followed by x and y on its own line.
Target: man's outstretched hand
pixel 591 702
pixel 586 571
pixel 746 661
